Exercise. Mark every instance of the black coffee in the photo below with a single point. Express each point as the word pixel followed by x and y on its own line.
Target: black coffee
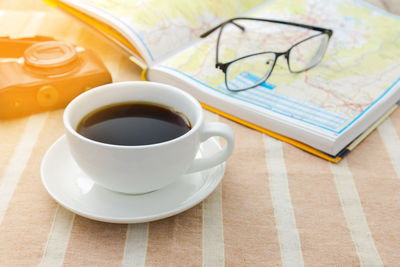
pixel 133 124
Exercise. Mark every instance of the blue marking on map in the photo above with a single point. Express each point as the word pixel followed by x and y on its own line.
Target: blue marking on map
pixel 247 79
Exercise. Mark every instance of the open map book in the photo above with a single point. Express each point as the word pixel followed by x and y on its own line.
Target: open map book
pixel 325 110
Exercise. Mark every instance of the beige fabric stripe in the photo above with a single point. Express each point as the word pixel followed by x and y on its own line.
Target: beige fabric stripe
pixel 176 241
pixel 136 245
pixel 354 215
pixel 213 231
pixel 95 243
pixel 249 227
pixel 378 187
pixel 377 3
pixel 325 239
pixel 393 6
pixel 58 238
pixel 290 245
pixel 391 141
pixel 30 204
pixel 20 158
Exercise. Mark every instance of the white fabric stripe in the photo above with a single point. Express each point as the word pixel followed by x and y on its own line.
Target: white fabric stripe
pixel 391 141
pixel 58 238
pixel 19 160
pixel 289 239
pixel 354 214
pixel 33 24
pixel 213 229
pixel 210 116
pixel 136 245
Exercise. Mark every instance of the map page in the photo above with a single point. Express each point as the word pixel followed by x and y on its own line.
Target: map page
pixel 164 26
pixel 360 66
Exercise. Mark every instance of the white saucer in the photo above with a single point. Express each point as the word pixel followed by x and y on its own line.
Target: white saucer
pixel 75 191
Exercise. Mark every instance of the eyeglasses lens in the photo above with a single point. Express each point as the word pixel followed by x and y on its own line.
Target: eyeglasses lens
pixel 308 53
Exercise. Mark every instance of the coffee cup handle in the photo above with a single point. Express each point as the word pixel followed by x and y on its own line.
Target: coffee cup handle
pixel 208 130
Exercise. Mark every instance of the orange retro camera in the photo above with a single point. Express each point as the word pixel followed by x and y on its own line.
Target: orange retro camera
pixel 40 73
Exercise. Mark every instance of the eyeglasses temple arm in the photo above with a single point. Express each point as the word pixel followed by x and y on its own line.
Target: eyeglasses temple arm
pixel 311 27
pixel 328 31
pixel 238 25
pixel 207 33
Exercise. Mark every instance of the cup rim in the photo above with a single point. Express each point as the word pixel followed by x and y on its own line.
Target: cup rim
pixel 70 129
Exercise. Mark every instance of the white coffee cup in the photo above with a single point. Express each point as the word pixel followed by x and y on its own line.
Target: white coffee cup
pixel 144 168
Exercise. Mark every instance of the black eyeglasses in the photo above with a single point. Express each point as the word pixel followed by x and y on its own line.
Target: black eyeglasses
pixel 254 69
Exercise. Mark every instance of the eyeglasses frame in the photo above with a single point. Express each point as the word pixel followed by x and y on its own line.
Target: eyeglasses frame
pixel 224 66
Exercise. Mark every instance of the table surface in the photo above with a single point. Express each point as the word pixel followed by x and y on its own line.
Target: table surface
pixel 276 204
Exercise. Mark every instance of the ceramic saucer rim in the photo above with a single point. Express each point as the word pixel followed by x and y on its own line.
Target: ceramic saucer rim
pixel 213 178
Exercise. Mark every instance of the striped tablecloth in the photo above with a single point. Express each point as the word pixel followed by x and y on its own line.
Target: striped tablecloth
pixel 276 205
